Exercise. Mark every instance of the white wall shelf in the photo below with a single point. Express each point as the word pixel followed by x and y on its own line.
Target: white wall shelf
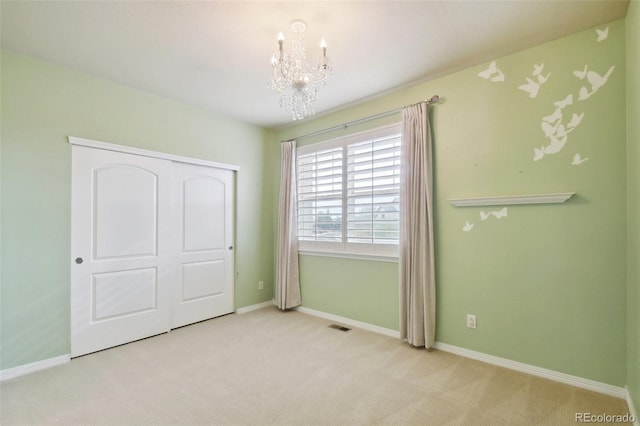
pixel 506 200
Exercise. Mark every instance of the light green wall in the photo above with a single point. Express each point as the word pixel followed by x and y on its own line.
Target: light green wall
pixel 42 104
pixel 633 200
pixel 359 289
pixel 548 282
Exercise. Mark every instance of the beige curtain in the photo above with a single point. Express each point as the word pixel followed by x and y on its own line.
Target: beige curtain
pixel 287 275
pixel 416 263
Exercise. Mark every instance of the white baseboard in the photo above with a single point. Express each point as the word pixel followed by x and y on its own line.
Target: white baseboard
pixel 255 307
pixel 632 408
pixel 604 388
pixel 21 370
pixel 349 321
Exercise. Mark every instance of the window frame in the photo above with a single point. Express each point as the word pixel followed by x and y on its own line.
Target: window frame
pixel 366 251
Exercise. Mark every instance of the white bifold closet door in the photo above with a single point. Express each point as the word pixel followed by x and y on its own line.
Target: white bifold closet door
pixel 151 246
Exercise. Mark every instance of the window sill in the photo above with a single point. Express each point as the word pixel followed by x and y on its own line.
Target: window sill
pixel 346 255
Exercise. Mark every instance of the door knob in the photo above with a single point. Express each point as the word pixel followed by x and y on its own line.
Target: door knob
pixel 79 260
pixel 230 247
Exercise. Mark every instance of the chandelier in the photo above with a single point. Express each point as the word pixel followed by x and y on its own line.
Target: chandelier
pixel 295 79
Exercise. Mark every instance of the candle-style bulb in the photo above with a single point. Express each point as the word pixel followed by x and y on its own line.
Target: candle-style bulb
pixel 323 44
pixel 280 42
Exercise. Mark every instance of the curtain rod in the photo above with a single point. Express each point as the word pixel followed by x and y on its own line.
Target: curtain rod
pixel 434 100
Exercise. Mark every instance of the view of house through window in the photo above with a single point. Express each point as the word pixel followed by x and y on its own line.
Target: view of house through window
pixel 348 193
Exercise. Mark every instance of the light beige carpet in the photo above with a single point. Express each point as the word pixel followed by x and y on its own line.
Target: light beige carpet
pixel 269 367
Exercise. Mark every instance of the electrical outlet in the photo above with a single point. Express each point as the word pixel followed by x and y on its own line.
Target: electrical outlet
pixel 471 321
pixel 260 285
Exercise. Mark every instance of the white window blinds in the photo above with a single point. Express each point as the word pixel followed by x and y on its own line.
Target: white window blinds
pixel 373 199
pixel 349 194
pixel 320 195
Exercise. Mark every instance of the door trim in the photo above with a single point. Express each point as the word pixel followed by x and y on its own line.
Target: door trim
pixel 73 140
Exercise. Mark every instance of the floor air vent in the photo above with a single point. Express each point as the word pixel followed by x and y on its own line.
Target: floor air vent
pixel 339 327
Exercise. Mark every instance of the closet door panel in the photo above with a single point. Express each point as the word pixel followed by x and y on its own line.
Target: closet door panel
pixel 121 275
pixel 203 200
pixel 202 279
pixel 125 212
pixel 203 207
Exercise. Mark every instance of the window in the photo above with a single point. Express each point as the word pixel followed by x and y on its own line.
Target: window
pixel 349 194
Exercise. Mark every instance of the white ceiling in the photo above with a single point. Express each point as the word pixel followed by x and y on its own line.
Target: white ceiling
pixel 215 54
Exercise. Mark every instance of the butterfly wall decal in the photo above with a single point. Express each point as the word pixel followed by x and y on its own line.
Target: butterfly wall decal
pixel 564 102
pixel 492 73
pixel 577 160
pixel 532 86
pixel 498 214
pixel 602 34
pixel 596 81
